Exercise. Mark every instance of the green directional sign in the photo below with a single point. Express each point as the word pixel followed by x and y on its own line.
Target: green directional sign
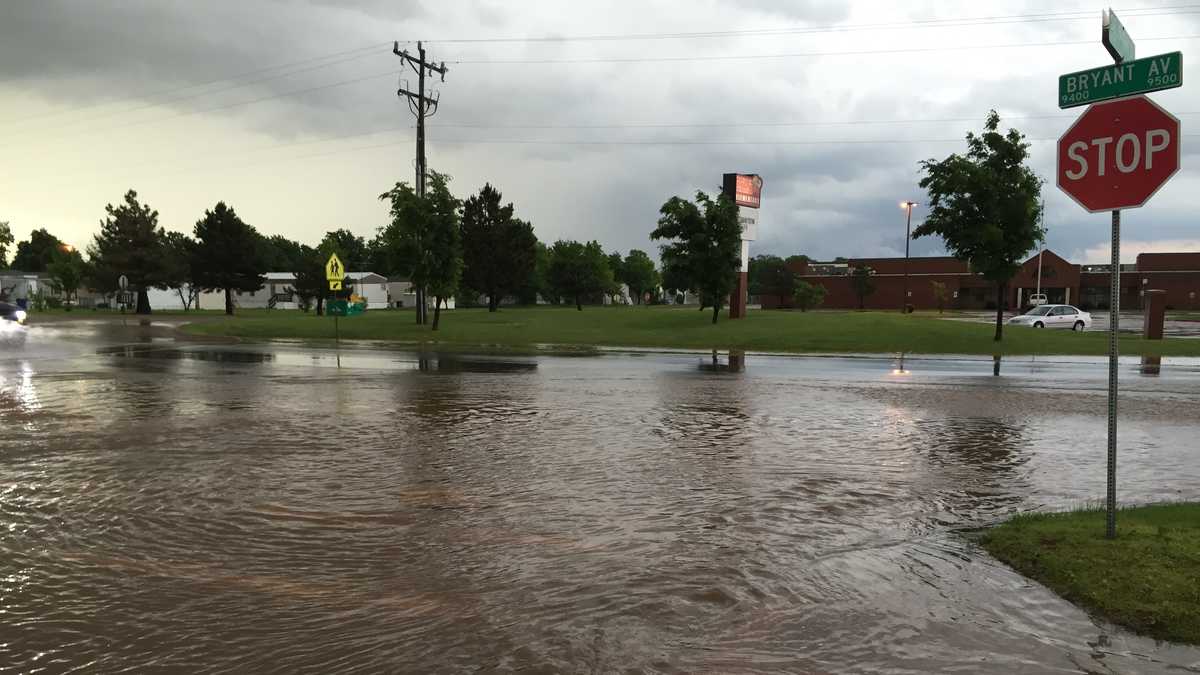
pixel 1130 78
pixel 337 308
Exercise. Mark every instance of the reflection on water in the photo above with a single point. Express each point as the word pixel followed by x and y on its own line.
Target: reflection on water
pixel 259 510
pixel 1151 365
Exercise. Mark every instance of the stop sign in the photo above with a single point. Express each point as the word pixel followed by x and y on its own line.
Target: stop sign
pixel 1118 154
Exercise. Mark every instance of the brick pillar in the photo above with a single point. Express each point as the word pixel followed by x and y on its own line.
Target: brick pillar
pixel 1155 303
pixel 737 299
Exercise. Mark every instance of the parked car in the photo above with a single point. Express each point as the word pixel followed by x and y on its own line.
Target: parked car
pixel 1054 316
pixel 10 312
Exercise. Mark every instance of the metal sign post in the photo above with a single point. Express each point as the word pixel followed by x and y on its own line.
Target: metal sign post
pixel 1114 157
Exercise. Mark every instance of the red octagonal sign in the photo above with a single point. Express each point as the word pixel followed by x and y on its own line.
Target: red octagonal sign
pixel 1118 154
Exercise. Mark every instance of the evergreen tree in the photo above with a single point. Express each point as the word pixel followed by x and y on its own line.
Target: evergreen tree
pixel 130 243
pixel 229 254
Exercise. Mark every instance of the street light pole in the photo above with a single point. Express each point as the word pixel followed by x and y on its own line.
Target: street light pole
pixel 907 239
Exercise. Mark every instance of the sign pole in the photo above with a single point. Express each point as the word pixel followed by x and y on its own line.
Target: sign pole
pixel 337 341
pixel 1114 320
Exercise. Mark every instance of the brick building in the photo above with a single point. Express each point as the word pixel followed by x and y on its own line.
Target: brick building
pixel 1062 282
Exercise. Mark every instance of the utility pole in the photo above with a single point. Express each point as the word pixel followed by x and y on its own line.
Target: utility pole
pixel 422 106
pixel 907 238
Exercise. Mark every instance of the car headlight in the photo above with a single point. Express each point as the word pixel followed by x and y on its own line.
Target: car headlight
pixel 21 316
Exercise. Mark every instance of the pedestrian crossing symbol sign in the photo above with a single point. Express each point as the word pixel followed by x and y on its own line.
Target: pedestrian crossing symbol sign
pixel 334 270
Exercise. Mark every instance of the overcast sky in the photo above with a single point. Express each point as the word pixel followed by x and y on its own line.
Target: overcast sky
pixel 287 110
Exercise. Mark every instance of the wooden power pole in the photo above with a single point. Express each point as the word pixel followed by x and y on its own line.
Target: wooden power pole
pixel 422 106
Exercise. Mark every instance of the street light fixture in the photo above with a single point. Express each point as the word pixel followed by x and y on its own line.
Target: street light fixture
pixel 908 207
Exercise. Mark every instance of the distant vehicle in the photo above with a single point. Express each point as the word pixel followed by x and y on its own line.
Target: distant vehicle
pixel 1038 299
pixel 10 312
pixel 1054 316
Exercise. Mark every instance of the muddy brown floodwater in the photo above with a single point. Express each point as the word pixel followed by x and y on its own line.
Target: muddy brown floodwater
pixel 173 507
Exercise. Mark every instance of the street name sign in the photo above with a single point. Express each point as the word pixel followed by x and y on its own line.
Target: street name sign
pixel 1118 154
pixel 1153 73
pixel 334 271
pixel 337 308
pixel 1115 38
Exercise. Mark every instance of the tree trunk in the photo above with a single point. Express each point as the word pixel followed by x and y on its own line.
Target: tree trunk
pixel 229 301
pixel 143 302
pixel 320 305
pixel 578 304
pixel 420 306
pixel 716 311
pixel 186 303
pixel 1000 288
pixel 493 302
pixel 861 302
pixel 437 310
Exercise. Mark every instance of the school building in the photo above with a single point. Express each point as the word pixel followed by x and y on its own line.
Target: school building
pixel 1086 286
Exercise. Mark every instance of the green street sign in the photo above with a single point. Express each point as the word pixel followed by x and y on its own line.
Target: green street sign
pixel 337 308
pixel 355 308
pixel 1115 38
pixel 1130 78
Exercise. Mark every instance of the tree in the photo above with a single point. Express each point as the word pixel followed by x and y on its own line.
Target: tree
pixel 443 243
pixel 36 254
pixel 769 275
pixel 940 295
pixel 281 254
pixel 179 251
pixel 579 270
pixel 311 284
pixel 350 248
pixel 129 243
pixel 985 205
pixel 796 259
pixel 639 274
pixel 863 281
pixel 6 240
pixel 538 281
pixel 499 251
pixel 228 255
pixel 676 278
pixel 705 238
pixel 422 226
pixel 67 270
pixel 808 296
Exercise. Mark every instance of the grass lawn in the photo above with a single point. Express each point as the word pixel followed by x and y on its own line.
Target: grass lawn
pixel 1147 579
pixel 673 327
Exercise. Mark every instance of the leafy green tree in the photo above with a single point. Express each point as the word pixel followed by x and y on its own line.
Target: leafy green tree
pixel 229 254
pixel 676 278
pixel 310 284
pixel 769 275
pixel 985 205
pixel 538 281
pixel 705 238
pixel 6 240
pixel 130 243
pixel 940 295
pixel 429 227
pixel 350 248
pixel 281 254
pixel 638 274
pixel 179 251
pixel 578 271
pixel 499 251
pixel 862 279
pixel 67 269
pixel 808 296
pixel 36 254
pixel 795 260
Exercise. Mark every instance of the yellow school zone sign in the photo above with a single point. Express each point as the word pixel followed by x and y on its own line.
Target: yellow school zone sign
pixel 334 271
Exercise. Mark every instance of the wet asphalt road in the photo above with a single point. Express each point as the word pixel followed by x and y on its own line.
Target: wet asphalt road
pixel 171 506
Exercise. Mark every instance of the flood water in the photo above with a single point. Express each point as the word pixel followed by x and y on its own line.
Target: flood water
pixel 174 507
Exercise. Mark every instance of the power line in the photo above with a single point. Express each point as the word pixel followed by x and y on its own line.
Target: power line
pixel 236 104
pixel 791 55
pixel 350 54
pixel 926 23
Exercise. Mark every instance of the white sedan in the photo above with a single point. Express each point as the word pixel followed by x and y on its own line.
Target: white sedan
pixel 1054 316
